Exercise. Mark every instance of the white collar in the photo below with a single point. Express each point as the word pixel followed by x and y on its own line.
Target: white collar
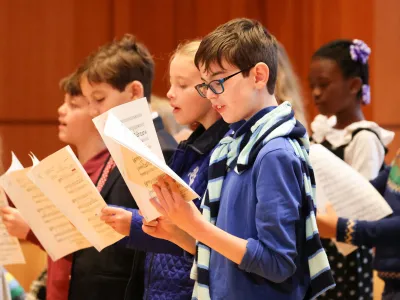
pixel 322 128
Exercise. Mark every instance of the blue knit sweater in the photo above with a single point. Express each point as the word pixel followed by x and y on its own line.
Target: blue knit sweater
pixel 166 267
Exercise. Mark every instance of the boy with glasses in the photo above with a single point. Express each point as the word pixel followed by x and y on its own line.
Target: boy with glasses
pixel 256 237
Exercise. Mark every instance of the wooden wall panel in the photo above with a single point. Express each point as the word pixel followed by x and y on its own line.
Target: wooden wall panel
pixel 386 63
pixel 30 62
pixel 44 41
pixel 303 26
pixel 153 23
pixel 41 139
pixel 162 26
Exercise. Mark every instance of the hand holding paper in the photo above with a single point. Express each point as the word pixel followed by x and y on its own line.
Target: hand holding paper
pixel 173 206
pixel 62 178
pixel 10 249
pixel 54 231
pixel 129 134
pixel 14 222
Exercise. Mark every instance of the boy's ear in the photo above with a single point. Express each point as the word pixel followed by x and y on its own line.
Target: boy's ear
pixel 135 88
pixel 261 75
pixel 355 85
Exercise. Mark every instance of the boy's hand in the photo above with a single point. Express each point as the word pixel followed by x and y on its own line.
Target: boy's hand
pixel 15 224
pixel 162 228
pixel 327 222
pixel 118 218
pixel 173 206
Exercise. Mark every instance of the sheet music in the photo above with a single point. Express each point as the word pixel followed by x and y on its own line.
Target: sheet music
pixel 136 116
pixel 10 249
pixel 351 195
pixel 54 231
pixel 63 179
pixel 137 156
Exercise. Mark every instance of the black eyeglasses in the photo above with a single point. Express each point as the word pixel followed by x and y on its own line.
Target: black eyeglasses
pixel 216 86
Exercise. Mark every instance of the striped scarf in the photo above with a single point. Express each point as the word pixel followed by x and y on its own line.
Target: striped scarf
pixel 239 153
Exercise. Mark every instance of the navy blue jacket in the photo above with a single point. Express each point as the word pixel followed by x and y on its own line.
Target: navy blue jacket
pixel 166 268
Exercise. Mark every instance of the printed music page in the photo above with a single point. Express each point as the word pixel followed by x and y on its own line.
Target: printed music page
pixel 10 249
pixel 54 231
pixel 351 195
pixel 63 179
pixel 132 140
pixel 136 116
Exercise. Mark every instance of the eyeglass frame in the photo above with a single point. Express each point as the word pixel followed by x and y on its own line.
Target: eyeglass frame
pixel 221 82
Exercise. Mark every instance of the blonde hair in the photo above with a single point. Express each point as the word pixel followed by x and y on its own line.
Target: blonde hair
pixel 186 48
pixel 287 86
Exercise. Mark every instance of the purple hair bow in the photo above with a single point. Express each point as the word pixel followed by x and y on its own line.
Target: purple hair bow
pixel 359 51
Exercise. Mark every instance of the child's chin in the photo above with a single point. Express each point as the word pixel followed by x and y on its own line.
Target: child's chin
pixel 63 138
pixel 229 118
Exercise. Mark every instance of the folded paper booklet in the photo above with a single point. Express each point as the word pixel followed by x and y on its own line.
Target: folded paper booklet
pixel 62 178
pixel 10 249
pixel 130 136
pixel 351 195
pixel 60 203
pixel 54 231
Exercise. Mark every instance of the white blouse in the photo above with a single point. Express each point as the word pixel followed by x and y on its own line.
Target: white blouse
pixel 365 153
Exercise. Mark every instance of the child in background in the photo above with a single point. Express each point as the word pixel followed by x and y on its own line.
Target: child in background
pixel 287 86
pixel 75 128
pixel 339 82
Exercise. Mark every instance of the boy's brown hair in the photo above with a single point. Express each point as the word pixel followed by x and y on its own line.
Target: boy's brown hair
pixel 71 85
pixel 242 43
pixel 121 62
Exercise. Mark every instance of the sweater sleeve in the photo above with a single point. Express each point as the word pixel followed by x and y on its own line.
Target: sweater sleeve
pixel 384 232
pixel 139 240
pixel 379 183
pixel 272 255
